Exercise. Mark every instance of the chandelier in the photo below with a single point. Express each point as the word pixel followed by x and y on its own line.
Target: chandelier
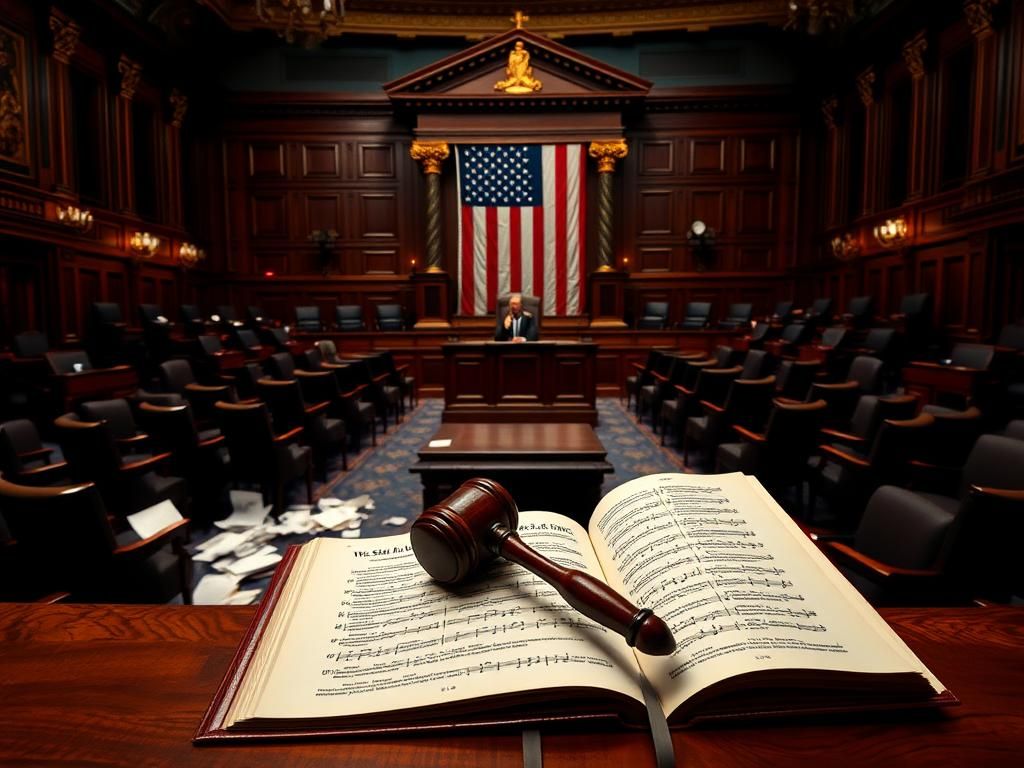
pixel 308 18
pixel 817 16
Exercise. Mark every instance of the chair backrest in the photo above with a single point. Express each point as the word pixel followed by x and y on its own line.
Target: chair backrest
pixel 246 378
pixel 175 375
pixel 872 410
pixel 104 312
pixel 977 356
pixel 697 313
pixel 249 435
pixel 30 344
pixel 795 377
pixel 280 338
pixel 821 307
pixel 284 399
pixel 759 333
pixel 955 433
pixel 867 372
pixel 754 364
pixel 174 427
pixel 1012 335
pixel 713 384
pixel 794 333
pixel 916 304
pixel 833 337
pixel 896 531
pixel 531 304
pixel 307 318
pixel 996 461
pixel 16 437
pixel 783 309
pixel 281 366
pixel 880 340
pixel 791 436
pixel 896 443
pixel 89 449
pixel 740 313
pixel 190 313
pixel 149 313
pixel 749 400
pixel 65 362
pixel 256 314
pixel 117 413
pixel 210 344
pixel 860 310
pixel 227 313
pixel 247 338
pixel 725 356
pixel 654 317
pixel 349 317
pixel 389 317
pixel 62 530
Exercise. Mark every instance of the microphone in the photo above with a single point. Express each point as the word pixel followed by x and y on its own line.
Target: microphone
pixel 478 522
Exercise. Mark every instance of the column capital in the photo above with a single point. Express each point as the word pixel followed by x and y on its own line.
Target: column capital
pixel 179 106
pixel 430 153
pixel 607 152
pixel 130 72
pixel 866 86
pixel 913 54
pixel 65 36
pixel 979 15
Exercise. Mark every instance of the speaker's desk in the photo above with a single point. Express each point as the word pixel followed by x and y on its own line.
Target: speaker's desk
pixel 119 685
pixel 503 381
pixel 555 467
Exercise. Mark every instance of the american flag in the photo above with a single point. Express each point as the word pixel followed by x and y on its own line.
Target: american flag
pixel 522 225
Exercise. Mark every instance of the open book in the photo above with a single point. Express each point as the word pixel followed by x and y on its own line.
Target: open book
pixel 354 637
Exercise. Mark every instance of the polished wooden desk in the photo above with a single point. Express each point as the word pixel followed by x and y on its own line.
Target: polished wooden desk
pixel 557 467
pixel 127 686
pixel 933 381
pixel 533 381
pixel 95 384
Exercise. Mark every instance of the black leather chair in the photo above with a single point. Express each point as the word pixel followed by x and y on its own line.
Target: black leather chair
pixel 654 316
pixel 260 456
pixel 307 318
pixel 30 344
pixel 192 320
pixel 325 435
pixel 819 313
pixel 782 313
pixel 696 315
pixel 106 338
pixel 747 404
pixel 860 312
pixel 69 361
pixel 199 456
pixel 117 413
pixel 977 356
pixel 23 457
pixel 128 482
pixel 711 386
pixel 64 536
pixel 390 317
pixel 349 317
pixel 737 317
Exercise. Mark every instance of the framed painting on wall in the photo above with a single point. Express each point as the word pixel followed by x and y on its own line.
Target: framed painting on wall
pixel 14 129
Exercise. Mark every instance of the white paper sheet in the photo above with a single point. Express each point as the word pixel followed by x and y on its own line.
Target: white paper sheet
pixel 446 443
pixel 153 519
pixel 215 588
pixel 253 564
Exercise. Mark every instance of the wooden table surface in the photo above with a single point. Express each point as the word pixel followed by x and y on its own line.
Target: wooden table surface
pixel 107 685
pixel 512 442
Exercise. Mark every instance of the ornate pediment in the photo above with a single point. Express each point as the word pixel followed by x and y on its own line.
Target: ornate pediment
pixel 495 74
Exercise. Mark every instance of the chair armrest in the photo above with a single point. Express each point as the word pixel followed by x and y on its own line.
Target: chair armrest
pixel 746 434
pixel 379 379
pixel 875 569
pixel 140 550
pixel 401 369
pixel 35 453
pixel 128 442
pixel 144 465
pixel 41 474
pixel 710 407
pixel 287 437
pixel 211 442
pixel 354 393
pixel 301 374
pixel 317 408
pixel 842 457
pixel 207 389
pixel 639 367
pixel 843 437
pixel 683 390
pixel 660 377
pixel 787 400
pixel 1002 494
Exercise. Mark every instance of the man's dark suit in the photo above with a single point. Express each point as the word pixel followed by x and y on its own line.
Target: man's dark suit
pixel 527 328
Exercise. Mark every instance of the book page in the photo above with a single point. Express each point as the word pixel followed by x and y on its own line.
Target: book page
pixel 742 590
pixel 362 629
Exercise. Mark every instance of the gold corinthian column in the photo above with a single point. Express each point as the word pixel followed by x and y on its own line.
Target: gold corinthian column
pixel 606 153
pixel 432 154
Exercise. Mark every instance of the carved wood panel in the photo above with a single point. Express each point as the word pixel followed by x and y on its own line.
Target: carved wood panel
pixel 376 161
pixel 707 156
pixel 320 161
pixel 267 160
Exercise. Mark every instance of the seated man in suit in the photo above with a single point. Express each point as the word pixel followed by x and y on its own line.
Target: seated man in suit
pixel 517 324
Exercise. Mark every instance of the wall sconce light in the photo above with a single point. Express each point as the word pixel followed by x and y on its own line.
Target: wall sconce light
pixel 844 247
pixel 412 266
pixel 324 238
pixel 701 238
pixel 144 245
pixel 892 232
pixel 189 254
pixel 75 218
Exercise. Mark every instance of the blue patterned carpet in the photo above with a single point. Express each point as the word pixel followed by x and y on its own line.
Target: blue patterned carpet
pixel 383 472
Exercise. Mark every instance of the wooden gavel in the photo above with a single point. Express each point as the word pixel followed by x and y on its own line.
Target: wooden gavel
pixel 478 522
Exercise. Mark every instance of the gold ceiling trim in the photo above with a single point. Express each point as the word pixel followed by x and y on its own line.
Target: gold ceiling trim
pixel 691 17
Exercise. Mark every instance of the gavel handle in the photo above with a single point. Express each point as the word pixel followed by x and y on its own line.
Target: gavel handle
pixel 592 598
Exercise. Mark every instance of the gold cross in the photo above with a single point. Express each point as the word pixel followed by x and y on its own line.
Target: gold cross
pixel 519 18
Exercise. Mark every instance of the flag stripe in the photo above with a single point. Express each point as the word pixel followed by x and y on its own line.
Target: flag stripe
pixel 466 279
pixel 581 220
pixel 515 249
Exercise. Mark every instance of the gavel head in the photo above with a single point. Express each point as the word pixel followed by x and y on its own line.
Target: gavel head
pixel 454 538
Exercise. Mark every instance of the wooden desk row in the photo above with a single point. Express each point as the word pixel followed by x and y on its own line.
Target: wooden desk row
pixel 127 685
